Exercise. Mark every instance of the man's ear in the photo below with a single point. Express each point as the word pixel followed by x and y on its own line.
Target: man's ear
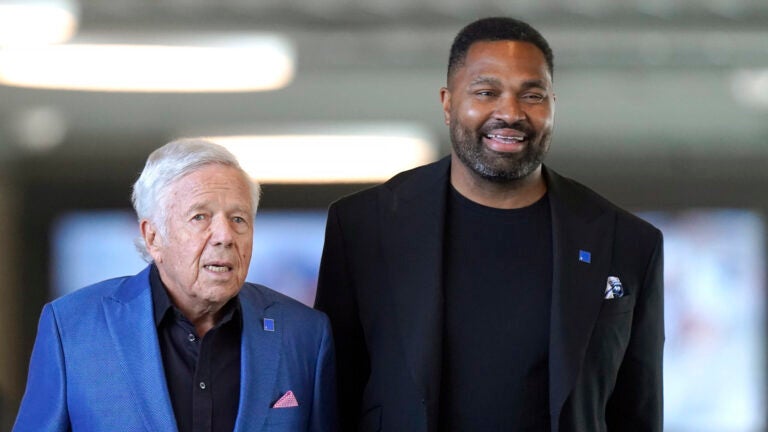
pixel 152 239
pixel 445 100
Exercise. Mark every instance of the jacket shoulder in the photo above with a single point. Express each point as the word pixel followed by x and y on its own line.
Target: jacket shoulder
pixel 265 297
pixel 415 177
pixel 576 192
pixel 91 294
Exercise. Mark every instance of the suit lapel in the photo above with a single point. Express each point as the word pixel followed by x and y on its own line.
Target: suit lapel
pixel 259 361
pixel 412 224
pixel 132 327
pixel 415 209
pixel 577 225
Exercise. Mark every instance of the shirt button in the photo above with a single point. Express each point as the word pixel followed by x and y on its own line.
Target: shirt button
pixel 202 385
pixel 191 337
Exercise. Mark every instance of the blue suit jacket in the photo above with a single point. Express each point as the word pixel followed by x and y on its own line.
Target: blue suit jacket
pixel 96 364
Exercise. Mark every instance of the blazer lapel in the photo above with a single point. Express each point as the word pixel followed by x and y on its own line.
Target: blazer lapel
pixel 131 324
pixel 260 354
pixel 415 209
pixel 412 224
pixel 578 227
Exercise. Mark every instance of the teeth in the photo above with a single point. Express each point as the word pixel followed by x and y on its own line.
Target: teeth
pixel 218 269
pixel 506 138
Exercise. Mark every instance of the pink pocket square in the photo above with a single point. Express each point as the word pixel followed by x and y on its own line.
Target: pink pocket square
pixel 287 400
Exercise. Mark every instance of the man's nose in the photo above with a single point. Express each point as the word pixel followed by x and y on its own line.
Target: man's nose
pixel 509 109
pixel 222 232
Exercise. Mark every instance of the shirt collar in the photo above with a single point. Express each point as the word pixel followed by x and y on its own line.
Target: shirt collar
pixel 162 303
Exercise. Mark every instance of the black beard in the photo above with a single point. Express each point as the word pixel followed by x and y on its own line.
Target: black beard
pixel 498 167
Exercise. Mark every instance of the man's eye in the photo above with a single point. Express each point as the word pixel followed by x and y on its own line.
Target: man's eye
pixel 485 93
pixel 199 217
pixel 238 219
pixel 534 97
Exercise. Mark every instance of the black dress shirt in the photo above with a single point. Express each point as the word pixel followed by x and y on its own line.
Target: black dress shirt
pixel 203 375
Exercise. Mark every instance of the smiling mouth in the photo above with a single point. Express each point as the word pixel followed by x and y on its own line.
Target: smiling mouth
pixel 506 143
pixel 505 138
pixel 217 268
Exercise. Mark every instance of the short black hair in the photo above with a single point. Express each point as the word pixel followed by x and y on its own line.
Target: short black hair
pixel 496 29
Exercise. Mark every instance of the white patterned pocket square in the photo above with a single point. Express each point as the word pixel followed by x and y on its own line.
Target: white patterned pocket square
pixel 288 400
pixel 613 288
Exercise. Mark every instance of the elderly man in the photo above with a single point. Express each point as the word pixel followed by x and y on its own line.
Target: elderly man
pixel 185 344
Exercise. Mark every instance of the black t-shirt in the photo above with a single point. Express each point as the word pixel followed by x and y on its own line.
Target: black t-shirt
pixel 497 288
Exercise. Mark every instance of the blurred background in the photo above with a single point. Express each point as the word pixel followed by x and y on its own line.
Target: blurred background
pixel 661 106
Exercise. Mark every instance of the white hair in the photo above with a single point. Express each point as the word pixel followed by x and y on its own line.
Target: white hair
pixel 170 163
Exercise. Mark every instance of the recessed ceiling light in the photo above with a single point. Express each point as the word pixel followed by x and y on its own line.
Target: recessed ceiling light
pixel 750 87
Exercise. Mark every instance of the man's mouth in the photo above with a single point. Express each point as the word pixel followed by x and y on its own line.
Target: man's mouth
pixel 506 138
pixel 217 268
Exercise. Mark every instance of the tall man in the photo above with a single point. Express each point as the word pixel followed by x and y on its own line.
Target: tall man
pixel 485 292
pixel 185 344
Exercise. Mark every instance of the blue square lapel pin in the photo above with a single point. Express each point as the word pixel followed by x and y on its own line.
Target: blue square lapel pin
pixel 585 256
pixel 269 324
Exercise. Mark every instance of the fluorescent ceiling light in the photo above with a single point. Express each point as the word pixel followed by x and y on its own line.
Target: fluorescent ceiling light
pixel 24 22
pixel 236 64
pixel 327 158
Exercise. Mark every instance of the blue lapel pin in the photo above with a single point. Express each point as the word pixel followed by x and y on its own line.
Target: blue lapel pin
pixel 585 256
pixel 269 324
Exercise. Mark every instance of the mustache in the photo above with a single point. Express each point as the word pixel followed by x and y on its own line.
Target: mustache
pixel 500 124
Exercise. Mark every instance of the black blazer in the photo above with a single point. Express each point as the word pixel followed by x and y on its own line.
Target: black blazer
pixel 380 284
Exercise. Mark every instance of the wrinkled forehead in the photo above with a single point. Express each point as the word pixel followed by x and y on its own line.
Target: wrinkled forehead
pixel 209 179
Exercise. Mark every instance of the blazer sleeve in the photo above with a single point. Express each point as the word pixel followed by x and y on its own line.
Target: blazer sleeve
pixel 324 416
pixel 637 403
pixel 336 297
pixel 44 405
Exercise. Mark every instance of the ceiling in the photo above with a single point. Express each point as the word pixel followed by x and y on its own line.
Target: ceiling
pixel 644 79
